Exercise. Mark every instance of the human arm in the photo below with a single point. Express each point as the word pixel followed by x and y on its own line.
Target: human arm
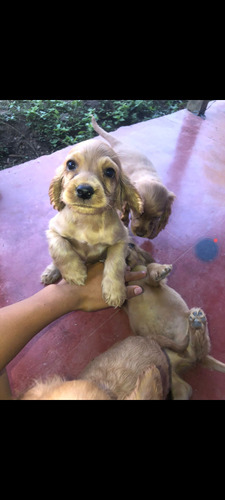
pixel 20 322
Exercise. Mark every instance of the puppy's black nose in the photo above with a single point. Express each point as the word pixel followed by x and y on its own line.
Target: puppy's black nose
pixel 85 191
pixel 141 234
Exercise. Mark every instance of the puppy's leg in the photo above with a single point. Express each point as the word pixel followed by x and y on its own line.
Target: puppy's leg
pixel 65 258
pixel 201 342
pixel 157 273
pixel 113 283
pixel 179 363
pixel 50 275
pixel 198 348
pixel 213 364
pixel 180 389
pixel 199 345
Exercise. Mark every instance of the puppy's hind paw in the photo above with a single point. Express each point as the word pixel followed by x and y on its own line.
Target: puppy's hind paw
pixel 199 337
pixel 197 318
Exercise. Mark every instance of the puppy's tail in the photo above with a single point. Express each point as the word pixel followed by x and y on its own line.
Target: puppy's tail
pixel 108 137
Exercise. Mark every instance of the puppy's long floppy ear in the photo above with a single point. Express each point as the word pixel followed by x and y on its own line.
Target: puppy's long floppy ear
pixel 128 193
pixel 168 209
pixel 148 386
pixel 54 192
pixel 125 212
pixel 137 256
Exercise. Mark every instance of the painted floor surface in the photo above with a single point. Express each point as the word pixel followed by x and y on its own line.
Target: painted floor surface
pixel 189 155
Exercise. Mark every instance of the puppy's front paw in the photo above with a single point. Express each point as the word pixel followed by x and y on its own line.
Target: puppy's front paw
pixel 50 275
pixel 75 279
pixel 114 292
pixel 162 271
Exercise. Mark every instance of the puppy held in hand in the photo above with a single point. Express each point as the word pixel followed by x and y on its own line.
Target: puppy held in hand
pixel 160 312
pixel 87 190
pixel 134 369
pixel 142 174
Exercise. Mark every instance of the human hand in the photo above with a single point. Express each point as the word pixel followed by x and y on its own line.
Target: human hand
pixel 89 297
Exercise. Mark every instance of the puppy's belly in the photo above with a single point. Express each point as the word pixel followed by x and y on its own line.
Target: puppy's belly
pixel 159 312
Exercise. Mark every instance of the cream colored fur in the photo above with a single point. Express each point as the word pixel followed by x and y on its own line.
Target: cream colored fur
pixel 89 229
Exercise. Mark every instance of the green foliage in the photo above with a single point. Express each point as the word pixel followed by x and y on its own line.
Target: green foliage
pixel 56 122
pixel 61 123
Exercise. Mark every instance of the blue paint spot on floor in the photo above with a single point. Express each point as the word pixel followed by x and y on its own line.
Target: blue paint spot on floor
pixel 206 250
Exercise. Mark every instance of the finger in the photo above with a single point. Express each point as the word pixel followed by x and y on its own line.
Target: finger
pixel 135 275
pixel 134 291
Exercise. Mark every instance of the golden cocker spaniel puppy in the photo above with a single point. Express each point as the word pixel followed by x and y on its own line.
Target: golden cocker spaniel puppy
pixel 156 197
pixel 134 369
pixel 88 189
pixel 162 314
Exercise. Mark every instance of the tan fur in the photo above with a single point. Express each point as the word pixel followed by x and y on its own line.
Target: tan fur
pixel 133 369
pixel 142 174
pixel 161 313
pixel 119 368
pixel 87 230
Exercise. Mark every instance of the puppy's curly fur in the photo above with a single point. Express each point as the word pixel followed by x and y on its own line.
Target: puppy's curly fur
pixel 87 190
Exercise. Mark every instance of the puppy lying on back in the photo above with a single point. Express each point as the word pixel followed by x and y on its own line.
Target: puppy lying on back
pixel 197 352
pixel 135 368
pixel 87 190
pixel 142 174
pixel 161 312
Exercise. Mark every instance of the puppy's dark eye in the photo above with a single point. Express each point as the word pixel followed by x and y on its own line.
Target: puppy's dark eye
pixel 109 172
pixel 71 165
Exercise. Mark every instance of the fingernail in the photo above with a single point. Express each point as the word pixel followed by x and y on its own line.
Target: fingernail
pixel 138 290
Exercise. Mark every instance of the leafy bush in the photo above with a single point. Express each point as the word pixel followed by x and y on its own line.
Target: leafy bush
pixel 62 123
pixel 29 129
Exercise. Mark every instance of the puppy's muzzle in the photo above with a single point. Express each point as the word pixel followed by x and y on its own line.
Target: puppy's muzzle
pixel 140 233
pixel 85 191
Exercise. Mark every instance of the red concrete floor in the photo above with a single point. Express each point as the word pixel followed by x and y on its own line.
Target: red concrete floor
pixel 189 154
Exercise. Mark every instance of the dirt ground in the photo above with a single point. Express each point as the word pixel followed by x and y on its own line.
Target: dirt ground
pixel 18 144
